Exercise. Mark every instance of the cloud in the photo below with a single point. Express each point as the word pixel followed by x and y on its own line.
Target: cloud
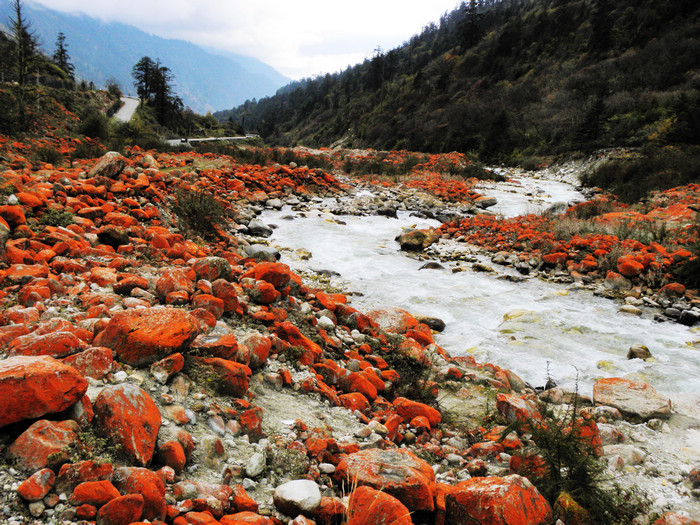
pixel 300 39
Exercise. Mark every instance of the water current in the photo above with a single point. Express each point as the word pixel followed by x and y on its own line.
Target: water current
pixel 532 327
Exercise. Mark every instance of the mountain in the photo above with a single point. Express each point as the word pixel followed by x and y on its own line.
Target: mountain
pixel 205 80
pixel 508 79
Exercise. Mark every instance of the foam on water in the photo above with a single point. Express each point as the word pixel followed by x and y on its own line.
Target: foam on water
pixel 522 326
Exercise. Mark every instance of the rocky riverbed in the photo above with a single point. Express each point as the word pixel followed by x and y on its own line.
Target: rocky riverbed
pixel 146 377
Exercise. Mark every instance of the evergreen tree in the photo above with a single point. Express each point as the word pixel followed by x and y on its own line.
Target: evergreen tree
pixel 144 81
pixel 25 44
pixel 61 57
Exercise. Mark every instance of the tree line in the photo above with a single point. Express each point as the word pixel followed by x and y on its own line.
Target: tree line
pixel 505 80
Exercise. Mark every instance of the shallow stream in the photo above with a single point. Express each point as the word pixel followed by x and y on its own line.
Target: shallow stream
pixel 530 327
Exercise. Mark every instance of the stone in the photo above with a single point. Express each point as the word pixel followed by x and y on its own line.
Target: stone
pixel 123 510
pixel 634 399
pixel 95 362
pixel 110 165
pixel 225 376
pixel 54 344
pixel 44 444
pixel 143 336
pixel 172 454
pixel 368 506
pixel 176 280
pixel 243 518
pixel 95 493
pixel 408 410
pixel 149 485
pixel 638 351
pixel 398 472
pixel 71 475
pixel 256 465
pixel 396 320
pixel 509 500
pixel 277 274
pixel 31 387
pixel 38 485
pixel 260 252
pixel 417 239
pixel 300 496
pixel 259 229
pixel 167 367
pixel 671 518
pixel 212 268
pixel 514 408
pixel 130 418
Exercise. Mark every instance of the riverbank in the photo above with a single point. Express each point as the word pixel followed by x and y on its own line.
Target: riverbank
pixel 205 382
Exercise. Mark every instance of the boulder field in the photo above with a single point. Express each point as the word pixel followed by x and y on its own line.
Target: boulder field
pixel 147 377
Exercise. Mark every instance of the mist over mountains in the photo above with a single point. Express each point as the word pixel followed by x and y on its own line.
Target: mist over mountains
pixel 205 80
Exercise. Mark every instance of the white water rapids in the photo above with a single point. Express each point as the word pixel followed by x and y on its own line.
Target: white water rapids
pixel 518 325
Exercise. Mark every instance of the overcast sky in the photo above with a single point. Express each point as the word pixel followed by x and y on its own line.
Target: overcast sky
pixel 299 38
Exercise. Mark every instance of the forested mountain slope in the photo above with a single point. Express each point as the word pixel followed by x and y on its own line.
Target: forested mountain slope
pixel 508 78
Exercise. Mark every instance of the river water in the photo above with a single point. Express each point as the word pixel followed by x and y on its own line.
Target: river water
pixel 531 327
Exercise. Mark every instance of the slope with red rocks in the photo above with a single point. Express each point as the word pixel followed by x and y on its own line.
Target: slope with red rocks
pixel 147 377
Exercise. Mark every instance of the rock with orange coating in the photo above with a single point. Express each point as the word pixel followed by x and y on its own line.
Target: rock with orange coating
pixel 95 493
pixel 130 418
pixel 123 510
pixel 509 500
pixel 409 409
pixel 95 362
pixel 244 518
pixel 44 444
pixel 38 485
pixel 277 274
pixel 514 408
pixel 143 336
pixel 396 320
pixel 634 399
pixel 150 486
pixel 398 472
pixel 229 377
pixel 212 268
pixel 674 519
pixel 176 280
pixel 311 352
pixel 33 386
pixel 368 506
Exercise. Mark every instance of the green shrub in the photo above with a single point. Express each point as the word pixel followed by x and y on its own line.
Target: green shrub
pixel 48 154
pixel 571 466
pixel 197 212
pixel 56 217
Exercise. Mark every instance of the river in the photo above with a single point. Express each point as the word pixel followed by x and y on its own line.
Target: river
pixel 532 327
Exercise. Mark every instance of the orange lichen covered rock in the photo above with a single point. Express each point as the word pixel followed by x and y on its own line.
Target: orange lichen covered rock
pixel 33 386
pixel 408 410
pixel 368 506
pixel 229 377
pixel 130 418
pixel 509 500
pixel 396 320
pixel 633 398
pixel 517 409
pixel 398 472
pixel 44 444
pixel 143 336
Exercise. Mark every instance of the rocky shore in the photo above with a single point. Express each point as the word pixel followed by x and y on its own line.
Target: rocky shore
pixel 148 377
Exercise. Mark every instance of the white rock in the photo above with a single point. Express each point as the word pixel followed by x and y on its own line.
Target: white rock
pixel 255 465
pixel 300 496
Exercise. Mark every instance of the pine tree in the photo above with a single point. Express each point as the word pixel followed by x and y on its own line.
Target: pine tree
pixel 61 57
pixel 25 44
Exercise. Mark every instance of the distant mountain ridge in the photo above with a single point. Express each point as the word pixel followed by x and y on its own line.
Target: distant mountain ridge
pixel 205 80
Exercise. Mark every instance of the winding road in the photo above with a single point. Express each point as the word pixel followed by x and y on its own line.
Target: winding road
pixel 127 110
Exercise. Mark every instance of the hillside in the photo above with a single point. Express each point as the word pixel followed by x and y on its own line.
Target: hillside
pixel 101 51
pixel 509 79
